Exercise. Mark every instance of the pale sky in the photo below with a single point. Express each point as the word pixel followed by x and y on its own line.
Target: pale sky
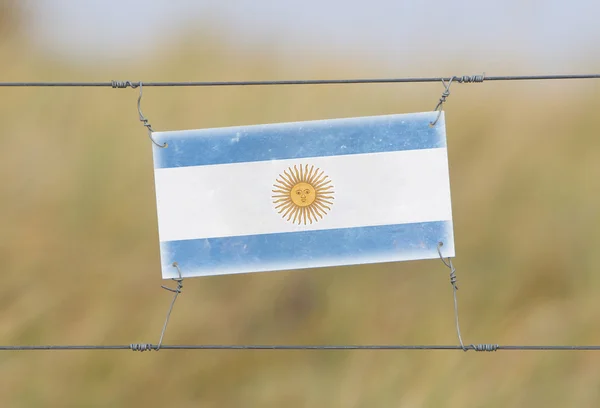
pixel 550 35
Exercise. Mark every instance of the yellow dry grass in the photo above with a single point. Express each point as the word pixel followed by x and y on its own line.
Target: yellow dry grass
pixel 79 249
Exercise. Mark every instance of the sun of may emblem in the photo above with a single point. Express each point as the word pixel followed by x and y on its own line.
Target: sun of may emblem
pixel 301 194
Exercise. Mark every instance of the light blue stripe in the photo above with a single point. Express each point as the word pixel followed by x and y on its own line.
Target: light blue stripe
pixel 307 249
pixel 333 137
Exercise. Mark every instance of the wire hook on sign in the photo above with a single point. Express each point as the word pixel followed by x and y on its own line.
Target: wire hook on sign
pixel 445 95
pixel 465 79
pixel 147 346
pixel 176 292
pixel 144 120
pixel 476 347
pixel 454 289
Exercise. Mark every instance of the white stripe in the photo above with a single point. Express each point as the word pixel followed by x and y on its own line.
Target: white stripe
pixel 370 189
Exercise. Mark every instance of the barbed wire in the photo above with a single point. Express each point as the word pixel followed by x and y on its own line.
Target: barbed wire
pixel 459 79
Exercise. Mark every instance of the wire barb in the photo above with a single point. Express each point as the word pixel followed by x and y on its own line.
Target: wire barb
pixel 176 292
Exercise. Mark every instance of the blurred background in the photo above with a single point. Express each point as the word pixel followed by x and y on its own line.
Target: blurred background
pixel 78 228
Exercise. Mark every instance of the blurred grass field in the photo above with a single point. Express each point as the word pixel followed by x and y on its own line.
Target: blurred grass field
pixel 79 247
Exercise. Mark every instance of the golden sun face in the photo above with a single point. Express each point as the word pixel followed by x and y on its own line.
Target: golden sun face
pixel 301 194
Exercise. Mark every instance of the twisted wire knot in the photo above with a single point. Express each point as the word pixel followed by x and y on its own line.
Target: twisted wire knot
pixel 179 281
pixel 177 289
pixel 467 79
pixel 124 84
pixel 147 124
pixel 141 347
pixel 483 347
pixel 453 278
pixel 445 95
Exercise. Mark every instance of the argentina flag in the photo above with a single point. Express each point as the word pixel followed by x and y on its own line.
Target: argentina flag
pixel 303 195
